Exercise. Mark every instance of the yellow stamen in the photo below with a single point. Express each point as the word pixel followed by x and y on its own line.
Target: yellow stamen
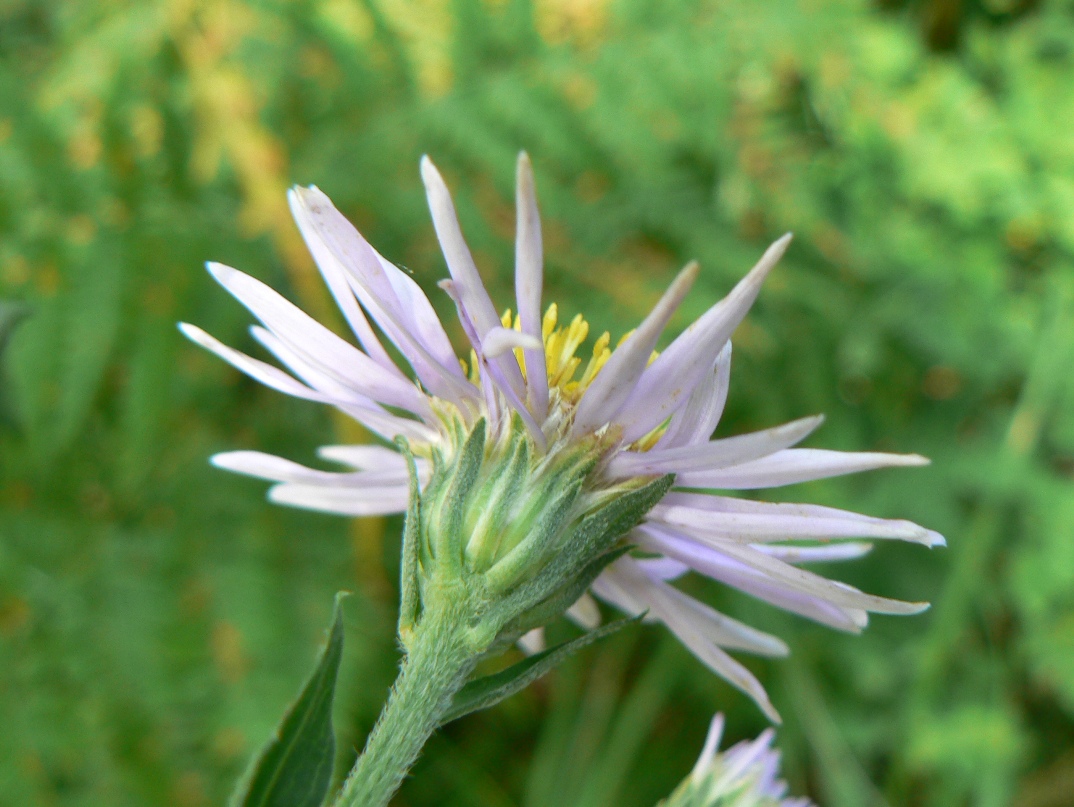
pixel 560 346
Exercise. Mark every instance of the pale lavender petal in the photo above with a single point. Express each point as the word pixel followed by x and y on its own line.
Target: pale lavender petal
pixel 632 584
pixel 322 377
pixel 708 751
pixel 367 457
pixel 373 417
pixel 363 409
pixel 747 521
pixel 335 277
pixel 387 425
pixel 533 642
pixel 663 568
pixel 715 454
pixel 316 344
pixel 696 420
pixel 463 270
pixel 492 370
pixel 848 550
pixel 706 556
pixel 722 630
pixel 585 613
pixel 366 501
pixel 749 581
pixel 668 380
pixel 469 328
pixel 396 302
pixel 502 340
pixel 278 469
pixel 747 754
pixel 614 383
pixel 794 465
pixel 409 321
pixel 529 281
pixel 258 370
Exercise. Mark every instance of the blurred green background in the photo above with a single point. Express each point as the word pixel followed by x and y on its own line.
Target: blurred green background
pixel 156 615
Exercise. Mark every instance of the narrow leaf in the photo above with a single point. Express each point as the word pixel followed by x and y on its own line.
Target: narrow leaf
pixel 482 693
pixel 294 768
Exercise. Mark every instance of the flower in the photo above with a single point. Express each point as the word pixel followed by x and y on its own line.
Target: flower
pixel 742 776
pixel 637 415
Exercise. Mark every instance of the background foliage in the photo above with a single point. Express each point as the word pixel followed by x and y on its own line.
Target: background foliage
pixel 156 615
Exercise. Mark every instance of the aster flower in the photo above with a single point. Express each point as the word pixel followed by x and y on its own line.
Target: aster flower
pixel 618 418
pixel 742 776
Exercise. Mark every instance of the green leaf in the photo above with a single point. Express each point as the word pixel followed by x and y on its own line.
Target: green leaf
pixel 489 690
pixel 295 768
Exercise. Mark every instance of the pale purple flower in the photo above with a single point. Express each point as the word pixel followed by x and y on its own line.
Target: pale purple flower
pixel 646 414
pixel 744 775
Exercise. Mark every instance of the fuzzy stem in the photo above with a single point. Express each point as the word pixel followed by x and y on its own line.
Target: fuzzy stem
pixel 437 664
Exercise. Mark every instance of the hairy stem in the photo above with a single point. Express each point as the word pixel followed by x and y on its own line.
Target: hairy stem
pixel 437 664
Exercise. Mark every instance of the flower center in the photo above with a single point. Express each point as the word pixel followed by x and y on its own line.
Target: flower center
pixel 562 344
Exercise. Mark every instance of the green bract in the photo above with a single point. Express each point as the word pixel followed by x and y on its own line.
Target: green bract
pixel 516 533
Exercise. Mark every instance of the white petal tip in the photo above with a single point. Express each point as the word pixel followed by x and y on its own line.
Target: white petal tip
pixel 934 539
pixel 776 249
pixel 221 273
pixel 236 461
pixel 193 333
pixel 912 460
pixel 429 172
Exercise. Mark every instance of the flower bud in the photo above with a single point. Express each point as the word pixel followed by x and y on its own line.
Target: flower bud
pixel 744 775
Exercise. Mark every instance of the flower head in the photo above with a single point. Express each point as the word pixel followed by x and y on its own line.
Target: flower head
pixel 604 426
pixel 742 776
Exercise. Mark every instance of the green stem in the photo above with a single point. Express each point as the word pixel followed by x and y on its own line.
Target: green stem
pixel 437 664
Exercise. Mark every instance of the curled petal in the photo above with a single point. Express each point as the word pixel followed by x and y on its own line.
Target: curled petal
pixel 502 340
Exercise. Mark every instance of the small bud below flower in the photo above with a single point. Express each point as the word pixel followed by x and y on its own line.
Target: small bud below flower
pixel 742 776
